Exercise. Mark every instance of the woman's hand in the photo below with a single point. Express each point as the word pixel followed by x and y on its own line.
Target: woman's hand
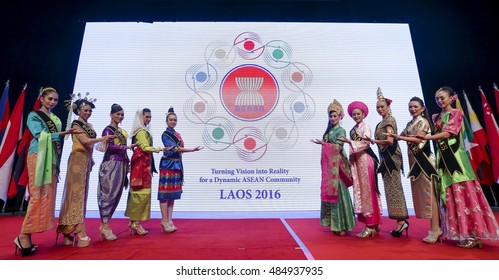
pixel 316 141
pixel 195 149
pixel 368 139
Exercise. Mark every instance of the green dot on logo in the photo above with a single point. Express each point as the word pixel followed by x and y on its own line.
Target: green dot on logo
pixel 278 54
pixel 218 133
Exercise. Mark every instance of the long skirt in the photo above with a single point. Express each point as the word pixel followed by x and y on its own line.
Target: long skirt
pixel 339 216
pixel 112 180
pixel 468 213
pixel 395 199
pixel 72 215
pixel 41 206
pixel 138 207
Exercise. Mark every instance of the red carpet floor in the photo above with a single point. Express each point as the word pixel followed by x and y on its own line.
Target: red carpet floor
pixel 324 245
pixel 244 239
pixel 200 239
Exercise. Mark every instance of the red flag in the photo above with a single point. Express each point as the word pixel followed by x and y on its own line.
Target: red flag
pixel 4 111
pixel 492 135
pixel 496 92
pixel 479 157
pixel 20 175
pixel 13 133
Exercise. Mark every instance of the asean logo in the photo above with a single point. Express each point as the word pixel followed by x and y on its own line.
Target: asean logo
pixel 249 92
pixel 264 94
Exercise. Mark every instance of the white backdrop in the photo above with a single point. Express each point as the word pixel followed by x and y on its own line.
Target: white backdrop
pixel 191 66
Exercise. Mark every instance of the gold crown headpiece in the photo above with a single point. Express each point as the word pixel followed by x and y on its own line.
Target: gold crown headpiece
pixel 379 93
pixel 335 106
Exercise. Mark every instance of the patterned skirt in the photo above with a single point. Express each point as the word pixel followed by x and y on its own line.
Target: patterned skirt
pixel 170 185
pixel 468 213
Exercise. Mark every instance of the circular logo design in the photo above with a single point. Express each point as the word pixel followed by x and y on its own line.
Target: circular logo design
pixel 249 92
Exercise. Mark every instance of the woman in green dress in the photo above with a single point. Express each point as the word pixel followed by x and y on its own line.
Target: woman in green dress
pixel 336 203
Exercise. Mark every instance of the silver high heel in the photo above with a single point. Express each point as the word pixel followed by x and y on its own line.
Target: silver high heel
pixel 168 227
pixel 137 228
pixel 433 236
pixel 107 234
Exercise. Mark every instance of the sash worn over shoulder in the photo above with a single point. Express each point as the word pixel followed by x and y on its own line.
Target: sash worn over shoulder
pixel 118 133
pixel 422 164
pixel 448 159
pixel 387 164
pixel 355 137
pixel 134 140
pixel 88 130
pixel 52 128
pixel 177 142
pixel 369 151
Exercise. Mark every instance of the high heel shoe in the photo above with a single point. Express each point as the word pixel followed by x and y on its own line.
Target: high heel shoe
pixel 137 228
pixel 24 251
pixel 106 234
pixel 471 243
pixel 83 241
pixel 68 239
pixel 398 233
pixel 168 227
pixel 433 236
pixel 367 232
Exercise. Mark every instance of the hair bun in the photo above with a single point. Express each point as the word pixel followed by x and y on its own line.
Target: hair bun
pixel 171 110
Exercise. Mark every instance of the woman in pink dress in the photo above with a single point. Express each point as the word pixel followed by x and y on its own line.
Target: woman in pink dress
pixel 363 162
pixel 468 217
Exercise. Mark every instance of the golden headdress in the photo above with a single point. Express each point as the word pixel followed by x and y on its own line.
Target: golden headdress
pixel 379 93
pixel 335 106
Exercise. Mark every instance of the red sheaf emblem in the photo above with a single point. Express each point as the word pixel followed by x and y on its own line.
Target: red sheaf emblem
pixel 249 92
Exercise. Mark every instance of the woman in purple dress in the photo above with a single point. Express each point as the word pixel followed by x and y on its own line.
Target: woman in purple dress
pixel 113 171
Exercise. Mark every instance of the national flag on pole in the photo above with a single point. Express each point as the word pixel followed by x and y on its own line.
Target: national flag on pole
pixel 496 93
pixel 13 133
pixel 479 156
pixel 4 111
pixel 492 135
pixel 20 175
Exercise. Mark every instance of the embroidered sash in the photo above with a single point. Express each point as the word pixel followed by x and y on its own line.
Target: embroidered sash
pixel 87 129
pixel 387 164
pixel 117 132
pixel 355 137
pixel 422 164
pixel 369 151
pixel 177 142
pixel 448 159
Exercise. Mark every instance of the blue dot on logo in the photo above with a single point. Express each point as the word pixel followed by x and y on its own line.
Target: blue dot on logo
pixel 201 77
pixel 299 107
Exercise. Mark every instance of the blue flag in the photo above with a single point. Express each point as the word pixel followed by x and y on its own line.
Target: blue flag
pixel 4 111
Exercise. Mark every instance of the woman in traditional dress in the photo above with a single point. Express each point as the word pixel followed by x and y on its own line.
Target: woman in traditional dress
pixel 113 171
pixel 390 165
pixel 468 217
pixel 43 170
pixel 363 163
pixel 336 203
pixel 80 163
pixel 138 207
pixel 171 171
pixel 422 172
